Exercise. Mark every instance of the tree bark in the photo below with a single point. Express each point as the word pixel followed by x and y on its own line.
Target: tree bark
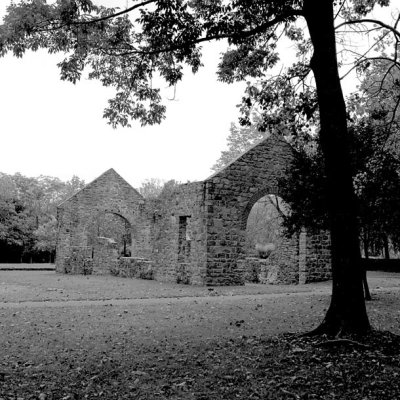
pixel 366 252
pixel 367 294
pixel 386 247
pixel 347 311
pixel 365 241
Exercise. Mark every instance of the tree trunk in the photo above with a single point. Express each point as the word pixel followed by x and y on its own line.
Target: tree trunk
pixel 366 253
pixel 367 294
pixel 386 247
pixel 365 242
pixel 347 312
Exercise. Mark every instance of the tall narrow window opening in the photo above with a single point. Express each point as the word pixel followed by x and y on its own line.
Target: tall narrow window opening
pixel 184 238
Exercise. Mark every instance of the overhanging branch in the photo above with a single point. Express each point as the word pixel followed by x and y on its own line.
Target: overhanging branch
pixel 234 35
pixel 371 21
pixel 111 16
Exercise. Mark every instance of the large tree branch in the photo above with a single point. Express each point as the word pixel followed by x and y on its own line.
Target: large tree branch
pixel 234 35
pixel 185 44
pixel 111 16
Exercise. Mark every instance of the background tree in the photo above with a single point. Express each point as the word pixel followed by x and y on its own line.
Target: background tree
pixel 377 187
pixel 28 225
pixel 375 172
pixel 16 229
pixel 239 140
pixel 46 238
pixel 151 188
pixel 126 52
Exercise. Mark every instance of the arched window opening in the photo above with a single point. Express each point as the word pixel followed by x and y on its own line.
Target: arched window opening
pixel 270 256
pixel 114 227
pixel 264 231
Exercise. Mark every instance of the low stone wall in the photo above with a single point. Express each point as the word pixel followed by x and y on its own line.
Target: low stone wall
pixel 183 273
pixel 78 262
pixel 252 268
pixel 276 273
pixel 258 270
pixel 132 267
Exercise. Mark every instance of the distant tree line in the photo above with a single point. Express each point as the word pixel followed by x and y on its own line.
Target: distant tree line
pixel 28 216
pixel 153 188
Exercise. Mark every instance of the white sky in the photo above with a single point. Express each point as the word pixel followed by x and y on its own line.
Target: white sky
pixel 55 128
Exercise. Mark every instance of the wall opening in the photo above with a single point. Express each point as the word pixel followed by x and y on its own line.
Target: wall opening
pixel 184 239
pixel 264 231
pixel 269 256
pixel 113 227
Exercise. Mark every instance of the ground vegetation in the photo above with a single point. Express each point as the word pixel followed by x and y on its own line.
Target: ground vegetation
pixel 28 215
pixel 64 337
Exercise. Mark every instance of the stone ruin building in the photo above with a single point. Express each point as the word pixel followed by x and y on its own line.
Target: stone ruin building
pixel 193 233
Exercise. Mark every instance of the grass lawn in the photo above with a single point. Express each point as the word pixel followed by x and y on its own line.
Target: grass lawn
pixel 78 337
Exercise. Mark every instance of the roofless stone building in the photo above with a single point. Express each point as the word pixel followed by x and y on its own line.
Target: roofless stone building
pixel 192 234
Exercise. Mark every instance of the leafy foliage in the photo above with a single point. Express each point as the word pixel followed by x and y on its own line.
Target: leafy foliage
pixel 28 208
pixel 240 140
pixel 46 236
pixel 377 187
pixel 127 49
pixel 16 226
pixel 153 188
pixel 379 95
pixel 375 171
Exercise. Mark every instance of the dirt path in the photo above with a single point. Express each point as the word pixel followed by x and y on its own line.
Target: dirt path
pixel 218 299
pixel 176 300
pixel 36 286
pixel 159 308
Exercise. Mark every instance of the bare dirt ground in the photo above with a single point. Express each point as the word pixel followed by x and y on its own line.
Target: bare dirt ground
pixel 72 337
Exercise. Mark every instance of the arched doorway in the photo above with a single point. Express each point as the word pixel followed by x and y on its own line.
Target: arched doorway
pixel 268 254
pixel 264 230
pixel 109 237
pixel 112 226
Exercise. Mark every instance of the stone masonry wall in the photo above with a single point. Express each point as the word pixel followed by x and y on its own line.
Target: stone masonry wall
pixel 105 253
pixel 107 194
pixel 78 261
pixel 230 195
pixel 131 267
pixel 178 235
pixel 193 233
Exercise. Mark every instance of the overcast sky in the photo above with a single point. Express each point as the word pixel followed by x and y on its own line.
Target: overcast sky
pixel 50 127
pixel 55 128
